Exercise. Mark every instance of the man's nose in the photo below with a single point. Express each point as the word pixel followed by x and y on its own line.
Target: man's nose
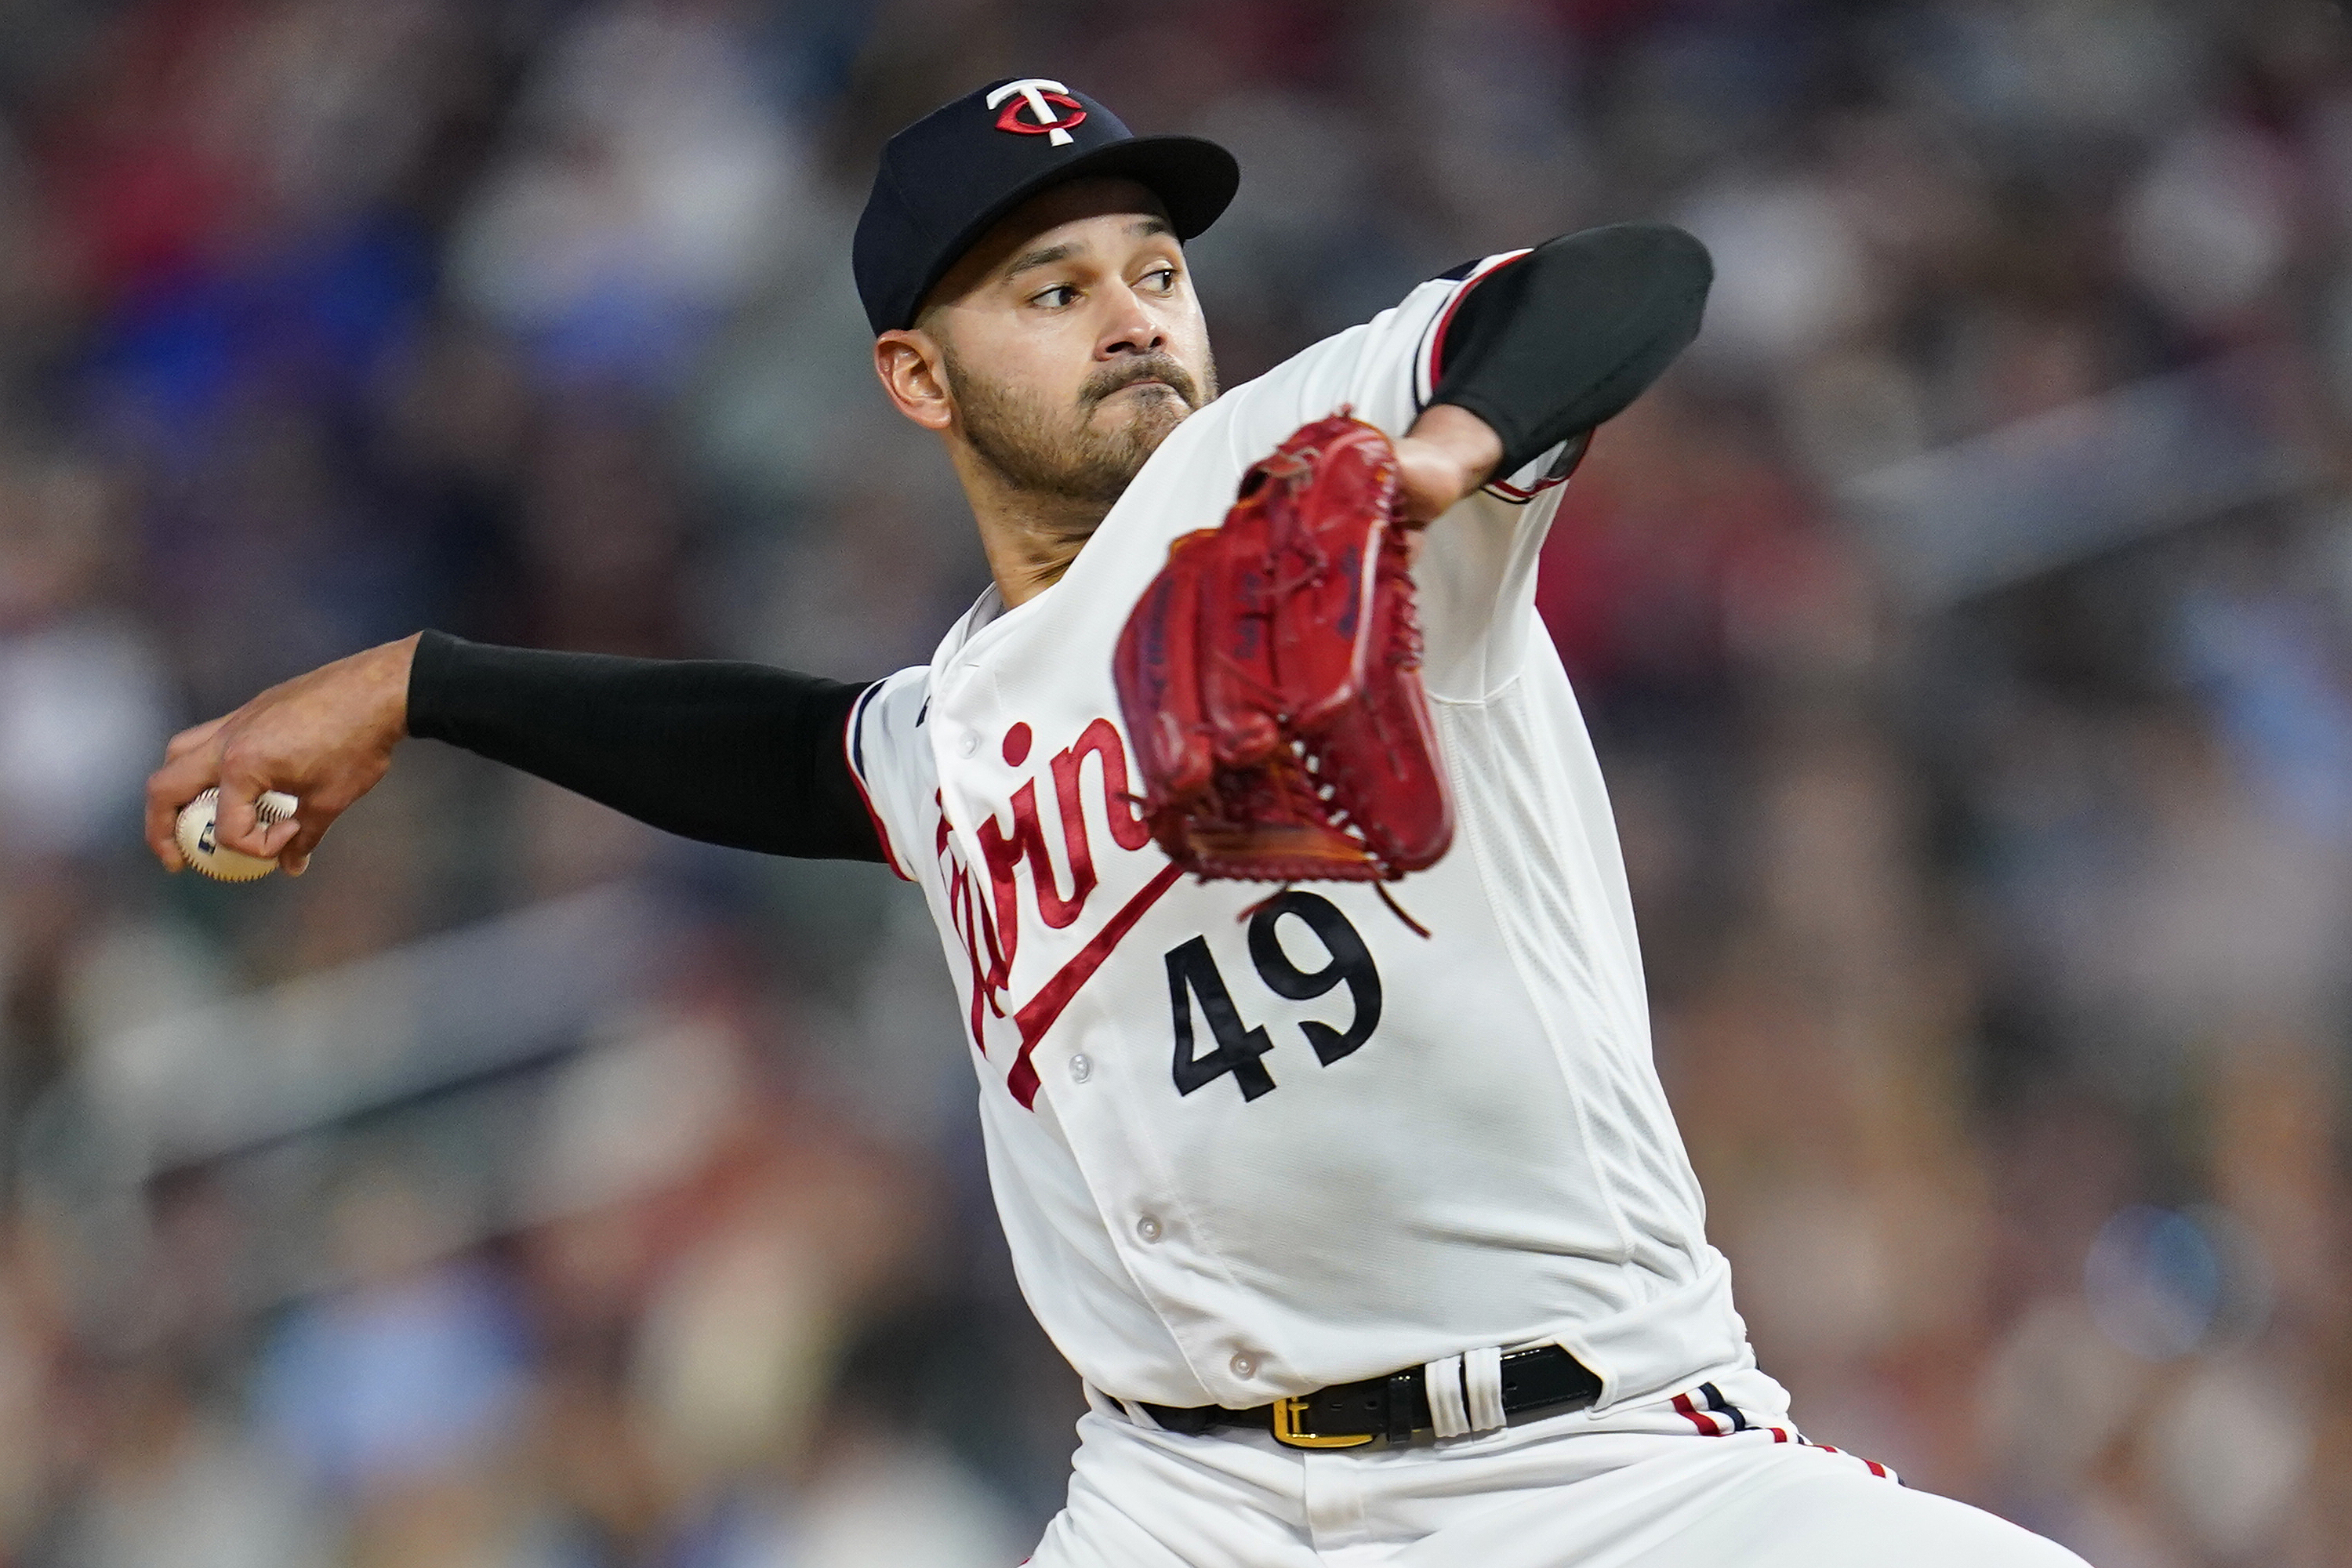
pixel 1132 330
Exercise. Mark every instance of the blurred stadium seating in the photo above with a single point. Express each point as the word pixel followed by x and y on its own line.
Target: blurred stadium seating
pixel 1966 624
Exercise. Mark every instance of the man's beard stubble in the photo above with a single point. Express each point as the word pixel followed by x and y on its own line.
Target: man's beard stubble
pixel 1069 459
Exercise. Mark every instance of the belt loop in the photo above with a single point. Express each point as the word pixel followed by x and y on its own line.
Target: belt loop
pixel 1108 1403
pixel 1447 1417
pixel 1401 1387
pixel 1482 1378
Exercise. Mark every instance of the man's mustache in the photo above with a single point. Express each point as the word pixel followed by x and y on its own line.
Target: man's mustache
pixel 1149 367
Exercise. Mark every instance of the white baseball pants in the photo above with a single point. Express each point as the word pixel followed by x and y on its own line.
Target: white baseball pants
pixel 1712 1478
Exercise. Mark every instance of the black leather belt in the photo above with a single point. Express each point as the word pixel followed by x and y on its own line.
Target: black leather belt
pixel 1348 1415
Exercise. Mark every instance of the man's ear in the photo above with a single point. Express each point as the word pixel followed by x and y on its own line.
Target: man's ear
pixel 911 364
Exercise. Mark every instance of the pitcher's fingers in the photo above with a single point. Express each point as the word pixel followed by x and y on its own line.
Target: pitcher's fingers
pixel 161 843
pixel 239 824
pixel 188 739
pixel 315 824
pixel 159 824
pixel 169 788
pixel 277 835
pixel 312 826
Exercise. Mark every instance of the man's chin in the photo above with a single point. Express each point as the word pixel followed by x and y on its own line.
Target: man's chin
pixel 1147 417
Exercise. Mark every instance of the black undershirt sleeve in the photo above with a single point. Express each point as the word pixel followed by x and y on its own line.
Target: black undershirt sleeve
pixel 1543 349
pixel 1550 346
pixel 739 754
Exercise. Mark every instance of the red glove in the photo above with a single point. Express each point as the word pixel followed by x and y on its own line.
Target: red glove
pixel 1270 678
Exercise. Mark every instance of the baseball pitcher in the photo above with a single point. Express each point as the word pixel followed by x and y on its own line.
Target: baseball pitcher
pixel 1352 1194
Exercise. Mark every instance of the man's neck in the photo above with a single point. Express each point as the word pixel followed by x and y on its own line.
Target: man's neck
pixel 1030 539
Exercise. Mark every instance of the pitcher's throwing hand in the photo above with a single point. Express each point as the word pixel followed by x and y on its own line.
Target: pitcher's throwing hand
pixel 324 739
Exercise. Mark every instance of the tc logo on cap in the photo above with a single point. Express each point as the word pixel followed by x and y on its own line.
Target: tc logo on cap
pixel 1052 110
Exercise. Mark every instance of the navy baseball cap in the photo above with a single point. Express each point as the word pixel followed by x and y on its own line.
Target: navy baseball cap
pixel 945 179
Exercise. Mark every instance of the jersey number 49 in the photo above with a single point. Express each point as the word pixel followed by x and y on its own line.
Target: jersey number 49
pixel 1192 973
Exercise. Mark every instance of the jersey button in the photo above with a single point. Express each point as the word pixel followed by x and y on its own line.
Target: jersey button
pixel 969 744
pixel 1148 1228
pixel 1082 1067
pixel 1245 1365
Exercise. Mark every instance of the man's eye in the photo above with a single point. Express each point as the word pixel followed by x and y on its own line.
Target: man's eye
pixel 1059 295
pixel 1162 277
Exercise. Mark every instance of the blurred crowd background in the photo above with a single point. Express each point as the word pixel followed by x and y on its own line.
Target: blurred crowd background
pixel 1966 623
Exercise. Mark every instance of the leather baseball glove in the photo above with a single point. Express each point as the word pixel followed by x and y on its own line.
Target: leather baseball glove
pixel 1270 678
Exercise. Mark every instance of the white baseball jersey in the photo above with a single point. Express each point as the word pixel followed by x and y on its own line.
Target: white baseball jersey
pixel 1246 1149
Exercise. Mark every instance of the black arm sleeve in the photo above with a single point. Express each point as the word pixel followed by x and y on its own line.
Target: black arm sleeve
pixel 1550 346
pixel 738 754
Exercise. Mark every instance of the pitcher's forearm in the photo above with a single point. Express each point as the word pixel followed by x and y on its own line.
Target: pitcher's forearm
pixel 741 754
pixel 1545 347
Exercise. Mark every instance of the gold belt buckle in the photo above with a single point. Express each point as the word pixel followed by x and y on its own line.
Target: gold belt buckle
pixel 1289 1413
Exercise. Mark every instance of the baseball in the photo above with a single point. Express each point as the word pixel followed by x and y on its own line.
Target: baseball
pixel 195 833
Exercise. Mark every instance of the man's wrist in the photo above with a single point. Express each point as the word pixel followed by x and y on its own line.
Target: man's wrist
pixel 1447 454
pixel 397 669
pixel 1465 437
